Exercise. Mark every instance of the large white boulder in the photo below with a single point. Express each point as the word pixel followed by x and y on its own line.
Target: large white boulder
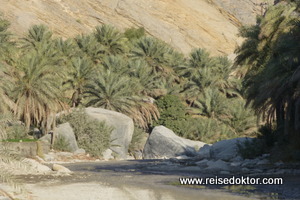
pixel 123 129
pixel 164 143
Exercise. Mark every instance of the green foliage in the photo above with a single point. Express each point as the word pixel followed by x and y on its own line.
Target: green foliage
pixel 208 130
pixel 16 132
pixel 270 55
pixel 112 41
pixel 251 149
pixel 172 113
pixel 92 135
pixel 61 144
pixel 138 140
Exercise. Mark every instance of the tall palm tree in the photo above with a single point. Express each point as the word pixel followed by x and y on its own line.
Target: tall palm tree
pixel 273 87
pixel 81 73
pixel 37 91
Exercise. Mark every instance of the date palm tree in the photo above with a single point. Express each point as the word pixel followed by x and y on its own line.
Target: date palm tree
pixel 118 92
pixel 112 41
pixel 37 36
pixel 273 87
pixel 90 47
pixel 81 73
pixel 37 90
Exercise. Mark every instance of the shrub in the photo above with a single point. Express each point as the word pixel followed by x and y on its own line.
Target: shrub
pixel 16 132
pixel 92 135
pixel 61 144
pixel 173 114
pixel 207 130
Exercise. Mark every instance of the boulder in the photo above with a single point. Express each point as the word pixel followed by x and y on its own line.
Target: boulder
pixel 123 129
pixel 66 132
pixel 36 166
pixel 204 152
pixel 60 168
pixel 218 165
pixel 163 143
pixel 107 154
pixel 226 149
pixel 79 151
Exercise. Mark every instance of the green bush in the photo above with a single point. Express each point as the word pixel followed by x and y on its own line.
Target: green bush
pixel 207 130
pixel 16 132
pixel 61 144
pixel 92 135
pixel 173 114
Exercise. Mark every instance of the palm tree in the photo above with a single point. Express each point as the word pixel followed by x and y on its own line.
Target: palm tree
pixel 6 45
pixel 37 35
pixel 112 41
pixel 118 92
pixel 115 64
pixel 68 48
pixel 37 91
pixel 273 87
pixel 81 73
pixel 90 47
pixel 150 84
pixel 5 85
pixel 199 62
pixel 156 54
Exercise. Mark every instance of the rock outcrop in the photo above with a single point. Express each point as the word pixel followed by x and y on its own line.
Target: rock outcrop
pixel 185 24
pixel 244 10
pixel 163 143
pixel 64 131
pixel 123 129
pixel 225 150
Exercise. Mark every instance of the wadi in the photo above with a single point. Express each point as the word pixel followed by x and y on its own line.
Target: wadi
pixel 149 99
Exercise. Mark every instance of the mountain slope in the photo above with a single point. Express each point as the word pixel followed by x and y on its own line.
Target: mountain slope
pixel 185 24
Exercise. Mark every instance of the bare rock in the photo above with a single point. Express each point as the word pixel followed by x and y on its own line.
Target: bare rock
pixel 36 167
pixel 123 129
pixel 107 154
pixel 60 168
pixel 164 143
pixel 185 24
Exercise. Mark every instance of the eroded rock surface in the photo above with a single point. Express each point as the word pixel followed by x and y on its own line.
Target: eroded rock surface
pixel 185 24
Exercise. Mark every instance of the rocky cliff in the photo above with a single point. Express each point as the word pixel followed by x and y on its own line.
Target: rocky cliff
pixel 185 24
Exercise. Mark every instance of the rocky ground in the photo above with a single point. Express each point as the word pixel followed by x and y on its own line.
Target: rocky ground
pixel 157 179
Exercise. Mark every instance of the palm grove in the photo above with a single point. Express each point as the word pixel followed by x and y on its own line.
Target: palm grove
pixel 198 96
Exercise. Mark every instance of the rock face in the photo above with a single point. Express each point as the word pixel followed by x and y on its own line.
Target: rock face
pixel 185 24
pixel 123 129
pixel 244 10
pixel 163 143
pixel 66 132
